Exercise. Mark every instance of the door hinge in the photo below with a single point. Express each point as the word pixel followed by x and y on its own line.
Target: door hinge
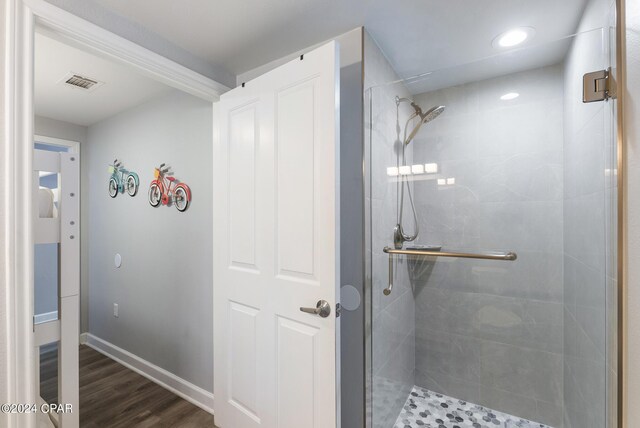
pixel 598 86
pixel 338 309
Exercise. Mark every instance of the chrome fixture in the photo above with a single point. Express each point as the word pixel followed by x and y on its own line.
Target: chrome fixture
pixel 322 309
pixel 387 290
pixel 399 235
pixel 508 256
pixel 598 86
pixel 425 117
pixel 436 252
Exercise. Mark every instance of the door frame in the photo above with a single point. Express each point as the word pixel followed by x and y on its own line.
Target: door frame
pixel 22 18
pixel 73 146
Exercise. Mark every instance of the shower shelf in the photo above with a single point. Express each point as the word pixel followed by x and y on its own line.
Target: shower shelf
pixel 436 252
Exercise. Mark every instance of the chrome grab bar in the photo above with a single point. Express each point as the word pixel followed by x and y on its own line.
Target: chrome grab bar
pixel 387 290
pixel 509 256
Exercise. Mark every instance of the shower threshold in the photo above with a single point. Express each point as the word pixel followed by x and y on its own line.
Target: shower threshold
pixel 428 409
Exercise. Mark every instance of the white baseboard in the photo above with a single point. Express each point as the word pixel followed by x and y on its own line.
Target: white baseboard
pixel 190 392
pixel 46 317
pixel 83 338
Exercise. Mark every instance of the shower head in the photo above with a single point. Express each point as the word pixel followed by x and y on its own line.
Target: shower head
pixel 425 117
pixel 432 113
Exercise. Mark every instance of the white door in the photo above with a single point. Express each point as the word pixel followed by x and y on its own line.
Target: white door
pixel 276 248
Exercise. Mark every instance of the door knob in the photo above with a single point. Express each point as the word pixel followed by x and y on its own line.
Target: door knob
pixel 323 308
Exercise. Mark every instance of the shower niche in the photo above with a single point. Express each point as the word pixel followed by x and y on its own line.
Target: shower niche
pixel 490 226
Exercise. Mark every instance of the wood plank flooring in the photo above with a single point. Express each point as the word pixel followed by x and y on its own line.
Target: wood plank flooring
pixel 111 395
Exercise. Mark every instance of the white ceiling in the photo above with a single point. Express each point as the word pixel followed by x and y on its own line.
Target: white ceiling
pixel 416 35
pixel 123 88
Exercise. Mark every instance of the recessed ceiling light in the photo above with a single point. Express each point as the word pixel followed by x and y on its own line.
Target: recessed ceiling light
pixel 513 37
pixel 510 96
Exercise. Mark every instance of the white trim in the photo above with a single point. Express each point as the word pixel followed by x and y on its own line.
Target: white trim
pixel 190 392
pixel 16 174
pixel 74 146
pixel 57 22
pixel 45 317
pixel 45 333
pixel 84 338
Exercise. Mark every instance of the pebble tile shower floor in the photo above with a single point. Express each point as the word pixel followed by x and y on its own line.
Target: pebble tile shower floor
pixel 427 409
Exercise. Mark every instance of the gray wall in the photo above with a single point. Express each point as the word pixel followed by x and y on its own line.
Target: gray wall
pixel 164 287
pixel 589 241
pixel 491 332
pixel 392 320
pixel 58 129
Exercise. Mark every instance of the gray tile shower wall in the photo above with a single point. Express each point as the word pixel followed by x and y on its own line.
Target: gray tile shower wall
pixel 491 332
pixel 393 316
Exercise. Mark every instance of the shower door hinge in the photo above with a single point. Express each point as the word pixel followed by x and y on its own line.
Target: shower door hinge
pixel 598 86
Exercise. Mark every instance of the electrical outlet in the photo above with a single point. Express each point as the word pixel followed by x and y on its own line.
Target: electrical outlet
pixel 115 310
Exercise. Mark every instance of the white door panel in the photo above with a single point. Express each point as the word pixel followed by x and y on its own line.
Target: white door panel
pixel 276 248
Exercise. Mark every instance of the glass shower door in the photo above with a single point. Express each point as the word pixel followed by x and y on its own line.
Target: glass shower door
pixel 500 312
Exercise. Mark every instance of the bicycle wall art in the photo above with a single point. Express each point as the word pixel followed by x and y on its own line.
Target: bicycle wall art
pixel 166 190
pixel 122 180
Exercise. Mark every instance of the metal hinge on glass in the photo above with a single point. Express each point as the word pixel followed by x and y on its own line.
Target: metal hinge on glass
pixel 598 86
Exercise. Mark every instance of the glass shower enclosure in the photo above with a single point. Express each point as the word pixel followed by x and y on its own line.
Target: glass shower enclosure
pixel 494 304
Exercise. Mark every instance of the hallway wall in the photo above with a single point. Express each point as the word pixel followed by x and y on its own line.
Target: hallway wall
pixel 164 287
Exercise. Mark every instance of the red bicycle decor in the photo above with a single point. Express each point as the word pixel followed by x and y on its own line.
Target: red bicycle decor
pixel 166 190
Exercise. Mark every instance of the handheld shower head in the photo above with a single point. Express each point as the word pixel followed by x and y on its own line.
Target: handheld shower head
pixel 432 113
pixel 425 117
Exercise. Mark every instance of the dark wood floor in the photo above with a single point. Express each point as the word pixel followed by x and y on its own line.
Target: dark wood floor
pixel 111 395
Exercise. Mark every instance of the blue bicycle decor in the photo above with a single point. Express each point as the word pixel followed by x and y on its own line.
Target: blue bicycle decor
pixel 122 180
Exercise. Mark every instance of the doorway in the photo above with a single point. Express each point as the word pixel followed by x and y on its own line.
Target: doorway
pixel 144 287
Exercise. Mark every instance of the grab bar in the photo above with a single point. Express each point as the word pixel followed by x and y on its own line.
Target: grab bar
pixel 387 290
pixel 509 256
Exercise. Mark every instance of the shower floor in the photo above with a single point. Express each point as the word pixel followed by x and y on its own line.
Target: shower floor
pixel 428 409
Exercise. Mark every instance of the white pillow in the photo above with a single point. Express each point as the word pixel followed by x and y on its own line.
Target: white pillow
pixel 46 207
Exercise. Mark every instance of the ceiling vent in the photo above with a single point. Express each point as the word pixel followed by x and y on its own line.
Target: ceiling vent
pixel 81 82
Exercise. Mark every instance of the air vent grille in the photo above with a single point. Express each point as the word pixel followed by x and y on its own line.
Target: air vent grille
pixel 81 82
